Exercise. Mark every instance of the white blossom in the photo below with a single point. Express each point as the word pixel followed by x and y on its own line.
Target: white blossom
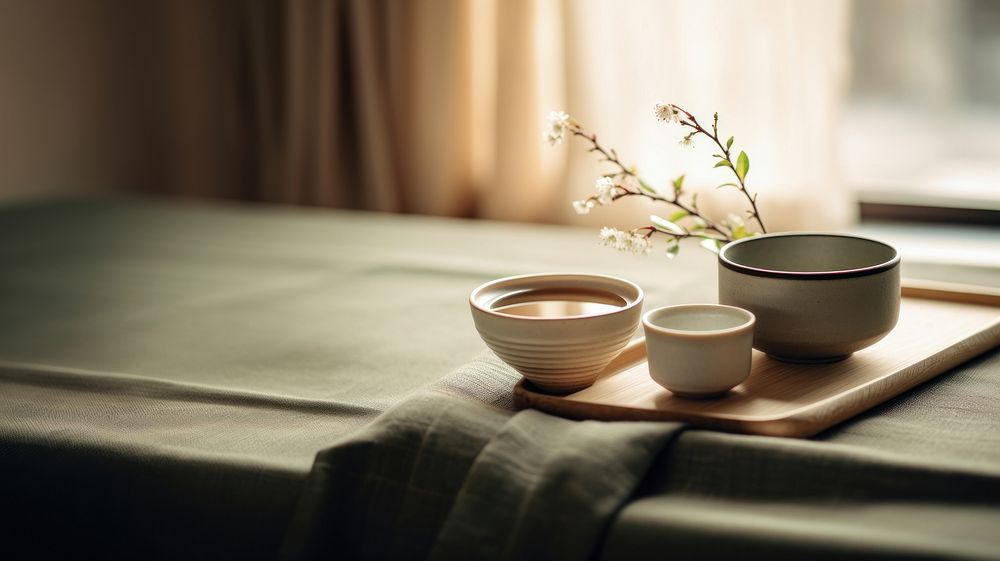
pixel 666 112
pixel 605 190
pixel 626 241
pixel 556 124
pixel 608 235
pixel 641 245
pixel 687 141
pixel 584 206
pixel 622 240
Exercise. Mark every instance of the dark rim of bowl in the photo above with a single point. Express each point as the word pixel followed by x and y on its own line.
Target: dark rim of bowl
pixel 640 296
pixel 807 275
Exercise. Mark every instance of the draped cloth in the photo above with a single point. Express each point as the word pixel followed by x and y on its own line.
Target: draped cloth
pixel 442 476
pixel 194 382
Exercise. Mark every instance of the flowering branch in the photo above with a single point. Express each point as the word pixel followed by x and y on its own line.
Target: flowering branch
pixel 634 186
pixel 626 182
pixel 740 167
pixel 637 240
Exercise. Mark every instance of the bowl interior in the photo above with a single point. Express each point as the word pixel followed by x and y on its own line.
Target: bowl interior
pixel 809 253
pixel 555 302
pixel 556 296
pixel 697 318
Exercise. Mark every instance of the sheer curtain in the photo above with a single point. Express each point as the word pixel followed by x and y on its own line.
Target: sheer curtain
pixel 437 106
pixel 775 70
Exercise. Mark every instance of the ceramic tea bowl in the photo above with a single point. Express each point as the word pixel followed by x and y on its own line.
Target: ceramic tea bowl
pixel 817 297
pixel 558 330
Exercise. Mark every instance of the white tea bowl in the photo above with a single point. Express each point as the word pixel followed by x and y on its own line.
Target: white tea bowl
pixel 699 350
pixel 817 297
pixel 559 330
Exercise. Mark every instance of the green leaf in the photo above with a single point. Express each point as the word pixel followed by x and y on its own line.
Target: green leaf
pixel 729 143
pixel 646 188
pixel 728 185
pixel 712 245
pixel 699 224
pixel 672 250
pixel 740 232
pixel 721 163
pixel 677 215
pixel 666 225
pixel 742 166
pixel 694 202
pixel 678 185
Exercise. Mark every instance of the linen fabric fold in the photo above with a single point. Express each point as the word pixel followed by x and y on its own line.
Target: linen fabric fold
pixel 441 478
pixel 748 497
pixel 452 473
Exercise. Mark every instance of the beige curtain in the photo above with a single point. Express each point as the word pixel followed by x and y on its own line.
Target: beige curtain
pixel 436 106
pixel 428 107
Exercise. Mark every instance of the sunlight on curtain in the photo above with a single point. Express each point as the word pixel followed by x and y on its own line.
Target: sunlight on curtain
pixel 775 70
pixel 477 75
pixel 522 182
pixel 437 107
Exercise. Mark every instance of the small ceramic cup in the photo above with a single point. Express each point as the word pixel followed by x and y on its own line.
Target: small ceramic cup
pixel 699 350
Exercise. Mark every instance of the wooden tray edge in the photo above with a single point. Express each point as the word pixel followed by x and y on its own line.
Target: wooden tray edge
pixel 906 379
pixel 951 292
pixel 800 423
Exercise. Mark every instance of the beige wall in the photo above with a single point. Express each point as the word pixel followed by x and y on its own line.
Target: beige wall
pixel 72 78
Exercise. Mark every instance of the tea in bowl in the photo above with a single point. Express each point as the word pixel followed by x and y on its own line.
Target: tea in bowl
pixel 817 297
pixel 558 330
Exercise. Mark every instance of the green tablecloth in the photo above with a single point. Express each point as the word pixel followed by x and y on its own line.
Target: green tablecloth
pixel 168 373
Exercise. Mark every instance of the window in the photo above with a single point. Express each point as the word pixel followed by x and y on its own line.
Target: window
pixel 922 122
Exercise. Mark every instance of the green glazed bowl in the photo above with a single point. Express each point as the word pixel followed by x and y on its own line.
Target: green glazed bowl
pixel 817 297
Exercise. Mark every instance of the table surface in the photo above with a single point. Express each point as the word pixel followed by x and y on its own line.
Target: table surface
pixel 226 344
pixel 323 319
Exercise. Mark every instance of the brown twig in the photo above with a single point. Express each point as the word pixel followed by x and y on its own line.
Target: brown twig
pixel 692 122
pixel 611 156
pixel 688 234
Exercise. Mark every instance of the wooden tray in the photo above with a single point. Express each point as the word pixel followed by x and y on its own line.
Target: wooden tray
pixel 940 326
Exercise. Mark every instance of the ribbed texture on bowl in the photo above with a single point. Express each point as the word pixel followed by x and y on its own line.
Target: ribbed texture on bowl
pixel 559 354
pixel 560 368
